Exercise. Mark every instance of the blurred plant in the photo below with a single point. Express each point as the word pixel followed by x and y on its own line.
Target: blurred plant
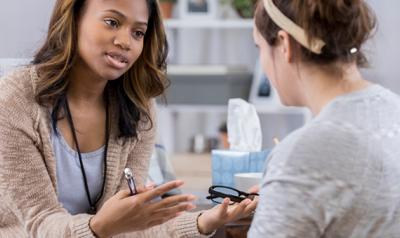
pixel 245 8
pixel 166 7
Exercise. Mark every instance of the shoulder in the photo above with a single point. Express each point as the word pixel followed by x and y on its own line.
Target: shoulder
pixel 18 81
pixel 17 93
pixel 363 108
pixel 321 135
pixel 18 84
pixel 322 147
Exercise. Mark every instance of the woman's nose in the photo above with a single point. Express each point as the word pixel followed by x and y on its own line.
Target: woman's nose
pixel 123 41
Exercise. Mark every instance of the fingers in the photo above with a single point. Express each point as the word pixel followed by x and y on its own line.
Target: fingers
pixel 254 189
pixel 163 220
pixel 223 209
pixel 251 207
pixel 148 187
pixel 160 190
pixel 174 210
pixel 122 194
pixel 173 200
pixel 170 208
pixel 126 192
pixel 239 210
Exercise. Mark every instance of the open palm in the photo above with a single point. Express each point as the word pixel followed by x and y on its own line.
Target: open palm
pixel 224 213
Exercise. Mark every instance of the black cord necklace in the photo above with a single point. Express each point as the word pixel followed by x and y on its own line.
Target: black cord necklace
pixel 92 209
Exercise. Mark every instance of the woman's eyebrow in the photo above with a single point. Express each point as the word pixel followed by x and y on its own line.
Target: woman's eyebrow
pixel 116 12
pixel 120 14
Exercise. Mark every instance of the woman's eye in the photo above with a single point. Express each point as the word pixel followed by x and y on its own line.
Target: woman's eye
pixel 111 23
pixel 138 34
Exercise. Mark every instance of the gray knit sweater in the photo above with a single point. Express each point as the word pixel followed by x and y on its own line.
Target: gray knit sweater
pixel 338 176
pixel 29 206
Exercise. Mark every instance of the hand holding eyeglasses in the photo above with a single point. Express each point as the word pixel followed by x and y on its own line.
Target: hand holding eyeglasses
pixel 234 205
pixel 218 193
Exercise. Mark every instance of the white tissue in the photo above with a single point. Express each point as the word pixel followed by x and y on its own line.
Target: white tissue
pixel 244 129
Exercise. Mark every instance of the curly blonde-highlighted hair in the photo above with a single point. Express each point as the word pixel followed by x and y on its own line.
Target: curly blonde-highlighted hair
pixel 134 90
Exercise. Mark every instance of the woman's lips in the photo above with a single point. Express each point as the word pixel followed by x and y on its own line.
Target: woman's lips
pixel 117 61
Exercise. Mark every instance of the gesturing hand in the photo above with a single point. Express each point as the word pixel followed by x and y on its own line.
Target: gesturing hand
pixel 124 213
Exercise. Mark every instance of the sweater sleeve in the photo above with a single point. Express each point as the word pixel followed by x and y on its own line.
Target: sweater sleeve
pixel 25 185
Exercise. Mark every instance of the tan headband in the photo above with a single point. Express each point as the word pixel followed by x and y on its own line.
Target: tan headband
pixel 292 28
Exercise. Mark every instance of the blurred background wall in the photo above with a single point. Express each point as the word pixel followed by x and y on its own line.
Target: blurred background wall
pixel 23 25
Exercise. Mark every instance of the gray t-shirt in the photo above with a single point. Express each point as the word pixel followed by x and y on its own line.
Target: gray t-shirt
pixel 339 175
pixel 70 185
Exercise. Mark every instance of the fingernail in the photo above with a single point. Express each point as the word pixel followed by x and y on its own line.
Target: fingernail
pixel 179 182
pixel 191 198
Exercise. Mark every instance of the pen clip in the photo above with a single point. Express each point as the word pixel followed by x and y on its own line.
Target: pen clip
pixel 131 183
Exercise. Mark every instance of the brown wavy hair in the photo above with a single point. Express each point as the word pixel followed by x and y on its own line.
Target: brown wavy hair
pixel 133 91
pixel 341 24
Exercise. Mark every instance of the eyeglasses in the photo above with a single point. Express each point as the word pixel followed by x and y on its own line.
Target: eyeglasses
pixel 218 193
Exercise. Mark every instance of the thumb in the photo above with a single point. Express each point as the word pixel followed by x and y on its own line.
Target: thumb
pixel 224 207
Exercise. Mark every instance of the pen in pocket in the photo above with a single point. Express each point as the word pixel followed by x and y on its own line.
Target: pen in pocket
pixel 131 183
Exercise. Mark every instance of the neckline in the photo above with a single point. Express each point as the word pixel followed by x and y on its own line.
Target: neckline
pixel 370 90
pixel 71 151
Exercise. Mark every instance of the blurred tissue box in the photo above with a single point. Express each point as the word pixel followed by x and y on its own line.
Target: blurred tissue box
pixel 244 136
pixel 226 163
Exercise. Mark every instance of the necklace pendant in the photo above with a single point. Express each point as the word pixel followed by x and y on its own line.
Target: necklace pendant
pixel 92 210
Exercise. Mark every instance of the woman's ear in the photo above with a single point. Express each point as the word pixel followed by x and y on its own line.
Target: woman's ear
pixel 285 46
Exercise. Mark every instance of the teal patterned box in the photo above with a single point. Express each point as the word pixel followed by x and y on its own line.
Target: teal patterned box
pixel 226 163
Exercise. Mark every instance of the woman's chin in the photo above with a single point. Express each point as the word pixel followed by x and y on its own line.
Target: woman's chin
pixel 110 76
pixel 286 102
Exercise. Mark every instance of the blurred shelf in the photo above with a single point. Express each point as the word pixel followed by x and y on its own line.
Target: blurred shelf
pixel 217 24
pixel 207 69
pixel 197 108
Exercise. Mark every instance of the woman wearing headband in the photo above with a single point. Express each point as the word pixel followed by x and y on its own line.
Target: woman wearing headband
pixel 338 176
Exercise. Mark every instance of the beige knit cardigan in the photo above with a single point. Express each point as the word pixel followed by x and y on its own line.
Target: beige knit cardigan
pixel 28 193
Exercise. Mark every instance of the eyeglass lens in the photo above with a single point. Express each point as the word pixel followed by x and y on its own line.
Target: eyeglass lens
pixel 222 192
